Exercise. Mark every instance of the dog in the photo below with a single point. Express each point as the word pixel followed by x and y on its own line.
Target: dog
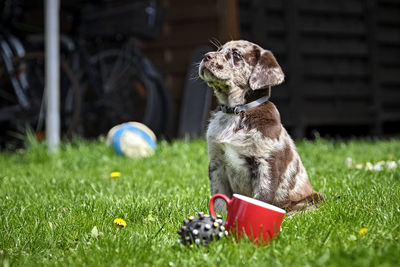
pixel 250 152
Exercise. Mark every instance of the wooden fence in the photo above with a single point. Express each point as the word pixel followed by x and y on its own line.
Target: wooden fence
pixel 341 60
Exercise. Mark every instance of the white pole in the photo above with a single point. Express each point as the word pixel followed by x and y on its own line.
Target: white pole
pixel 52 82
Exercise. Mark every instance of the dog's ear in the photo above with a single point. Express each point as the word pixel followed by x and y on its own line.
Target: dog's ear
pixel 266 72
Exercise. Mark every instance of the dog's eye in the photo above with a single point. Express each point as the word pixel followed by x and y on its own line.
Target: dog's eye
pixel 236 54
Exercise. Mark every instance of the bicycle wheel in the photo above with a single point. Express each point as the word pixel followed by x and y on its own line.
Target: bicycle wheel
pixel 118 90
pixel 164 96
pixel 17 119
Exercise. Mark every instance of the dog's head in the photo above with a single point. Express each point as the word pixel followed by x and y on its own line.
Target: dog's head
pixel 237 69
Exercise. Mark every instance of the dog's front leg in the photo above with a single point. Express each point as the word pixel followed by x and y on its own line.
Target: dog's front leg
pixel 264 187
pixel 219 185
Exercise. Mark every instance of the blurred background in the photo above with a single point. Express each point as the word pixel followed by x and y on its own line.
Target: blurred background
pixel 136 61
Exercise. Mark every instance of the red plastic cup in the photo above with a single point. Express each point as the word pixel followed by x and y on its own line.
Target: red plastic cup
pixel 257 220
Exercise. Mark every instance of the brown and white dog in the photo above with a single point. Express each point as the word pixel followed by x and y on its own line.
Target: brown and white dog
pixel 249 150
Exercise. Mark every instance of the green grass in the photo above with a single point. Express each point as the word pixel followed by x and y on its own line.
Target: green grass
pixel 50 204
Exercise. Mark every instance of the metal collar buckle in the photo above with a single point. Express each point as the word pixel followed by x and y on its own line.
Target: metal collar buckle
pixel 236 110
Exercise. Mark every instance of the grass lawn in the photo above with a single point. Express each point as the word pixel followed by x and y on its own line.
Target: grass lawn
pixel 49 206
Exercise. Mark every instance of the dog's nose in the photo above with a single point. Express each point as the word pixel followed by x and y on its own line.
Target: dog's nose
pixel 208 56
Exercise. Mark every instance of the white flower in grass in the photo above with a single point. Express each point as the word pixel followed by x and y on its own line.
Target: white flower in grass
pixel 391 165
pixel 379 166
pixel 359 166
pixel 369 166
pixel 349 162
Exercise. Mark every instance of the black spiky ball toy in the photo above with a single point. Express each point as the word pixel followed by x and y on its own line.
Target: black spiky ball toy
pixel 202 229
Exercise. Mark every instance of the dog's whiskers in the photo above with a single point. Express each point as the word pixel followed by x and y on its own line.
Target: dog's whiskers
pixel 194 75
pixel 197 64
pixel 215 42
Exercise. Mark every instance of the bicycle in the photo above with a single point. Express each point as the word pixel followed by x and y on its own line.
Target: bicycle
pixel 114 74
pixel 22 101
pixel 92 82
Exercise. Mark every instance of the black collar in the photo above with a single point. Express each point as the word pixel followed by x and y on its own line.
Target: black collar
pixel 240 108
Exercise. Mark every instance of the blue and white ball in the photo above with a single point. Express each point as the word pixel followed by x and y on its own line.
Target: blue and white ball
pixel 132 139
